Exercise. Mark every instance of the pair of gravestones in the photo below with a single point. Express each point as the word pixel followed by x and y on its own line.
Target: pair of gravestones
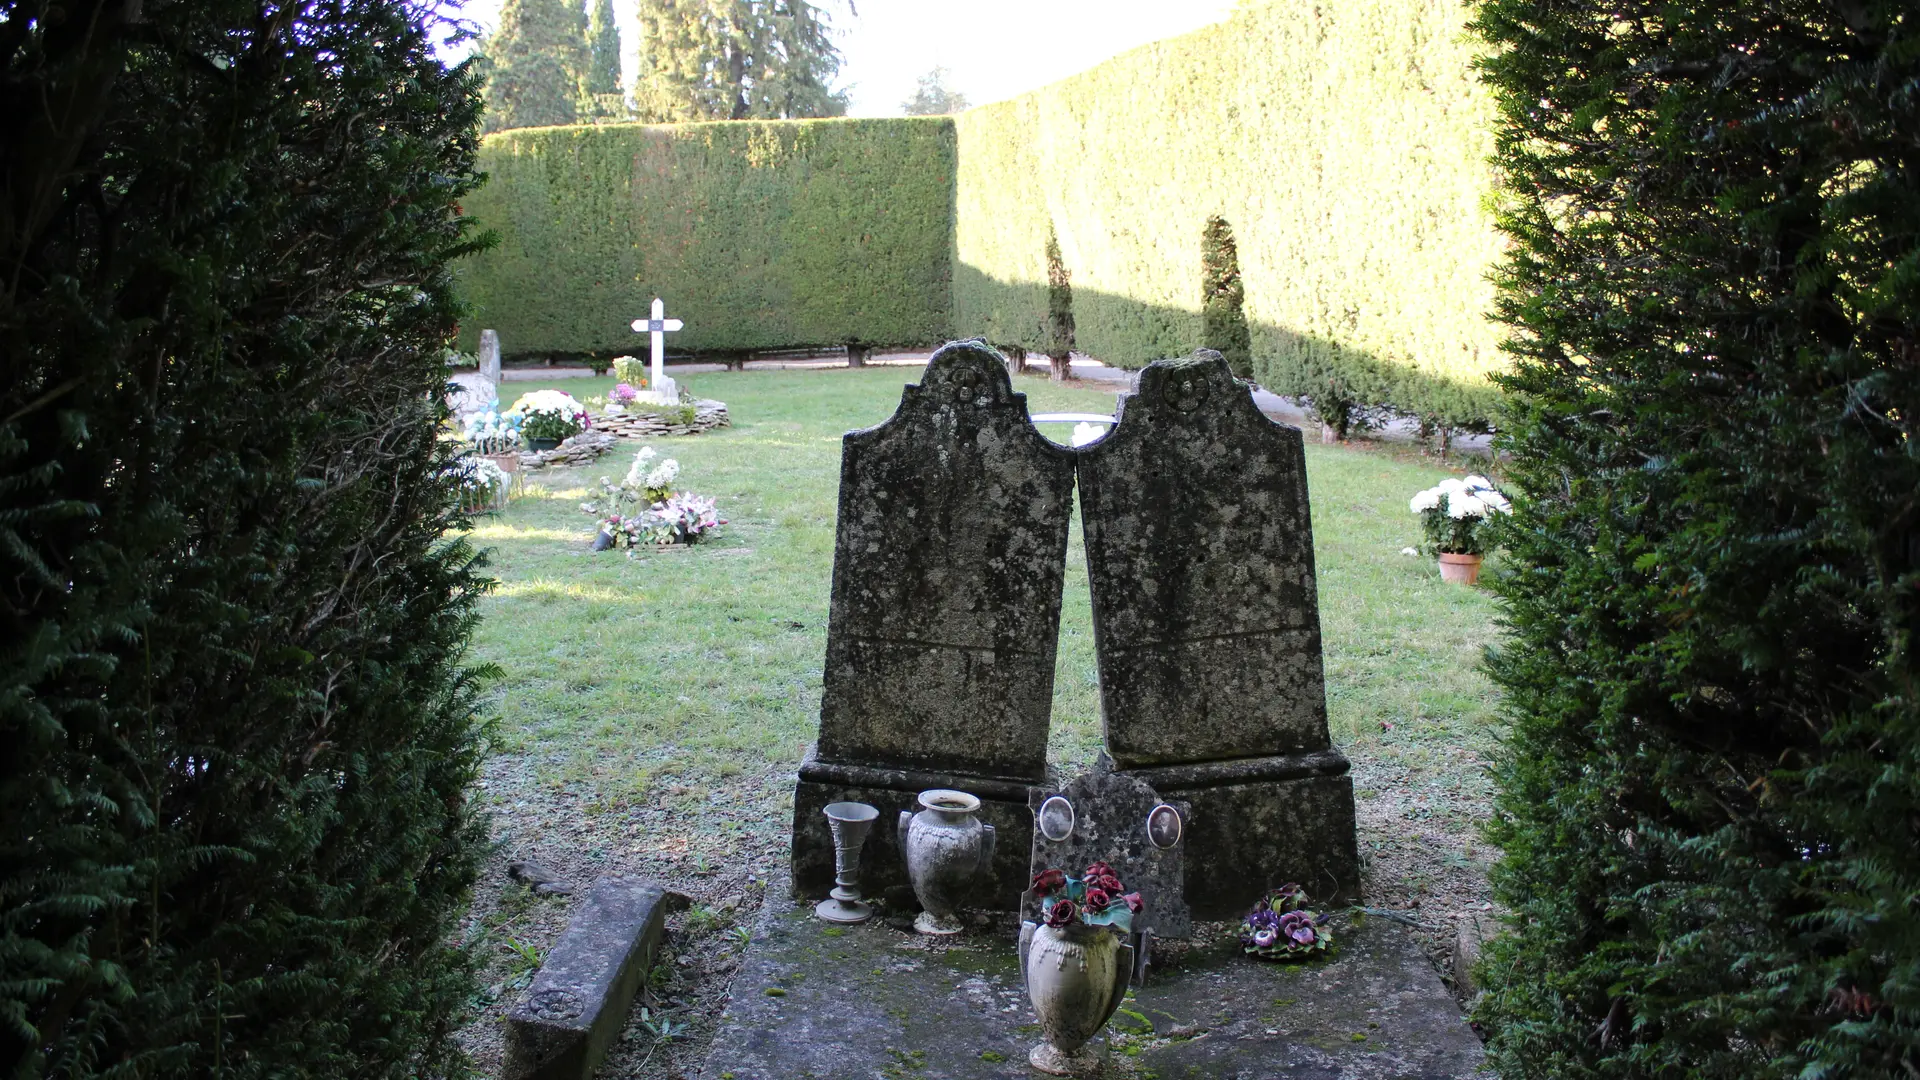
pixel 948 570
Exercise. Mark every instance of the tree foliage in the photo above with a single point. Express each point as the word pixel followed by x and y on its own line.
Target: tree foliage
pixel 1708 802
pixel 933 97
pixel 538 64
pixel 233 824
pixel 603 50
pixel 736 60
pixel 1057 338
pixel 1223 298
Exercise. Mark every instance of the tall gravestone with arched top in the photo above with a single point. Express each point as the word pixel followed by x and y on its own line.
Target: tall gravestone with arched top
pixel 948 563
pixel 1206 623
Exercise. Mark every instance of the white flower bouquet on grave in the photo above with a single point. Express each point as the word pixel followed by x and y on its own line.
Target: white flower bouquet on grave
pixel 1455 514
pixel 483 484
pixel 643 508
pixel 551 414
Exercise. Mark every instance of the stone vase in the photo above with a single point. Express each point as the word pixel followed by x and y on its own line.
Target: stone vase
pixel 1459 569
pixel 947 849
pixel 1076 976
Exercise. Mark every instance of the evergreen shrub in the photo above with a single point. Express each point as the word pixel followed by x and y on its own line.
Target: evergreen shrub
pixel 1346 143
pixel 1709 802
pixel 238 735
pixel 759 234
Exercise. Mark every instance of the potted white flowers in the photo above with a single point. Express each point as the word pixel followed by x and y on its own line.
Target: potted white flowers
pixel 549 417
pixel 1454 514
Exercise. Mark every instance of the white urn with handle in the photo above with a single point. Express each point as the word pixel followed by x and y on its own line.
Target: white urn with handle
pixel 947 848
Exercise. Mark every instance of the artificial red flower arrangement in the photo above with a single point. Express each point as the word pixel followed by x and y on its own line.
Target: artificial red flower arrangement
pixel 1094 898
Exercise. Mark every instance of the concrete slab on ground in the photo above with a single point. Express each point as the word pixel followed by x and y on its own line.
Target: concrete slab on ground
pixel 813 1000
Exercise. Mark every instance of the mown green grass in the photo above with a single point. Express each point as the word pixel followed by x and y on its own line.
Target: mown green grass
pixel 683 668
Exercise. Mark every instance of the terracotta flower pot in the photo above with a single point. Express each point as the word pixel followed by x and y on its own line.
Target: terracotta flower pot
pixel 1459 569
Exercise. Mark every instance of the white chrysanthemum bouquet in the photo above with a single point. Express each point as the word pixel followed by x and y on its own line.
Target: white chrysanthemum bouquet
pixel 643 508
pixel 1455 513
pixel 483 484
pixel 550 414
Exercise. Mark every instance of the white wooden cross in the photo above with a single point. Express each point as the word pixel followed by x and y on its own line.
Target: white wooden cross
pixel 659 326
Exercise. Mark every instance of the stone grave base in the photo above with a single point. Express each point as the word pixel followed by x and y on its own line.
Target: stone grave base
pixel 1003 804
pixel 814 1000
pixel 1258 823
pixel 707 414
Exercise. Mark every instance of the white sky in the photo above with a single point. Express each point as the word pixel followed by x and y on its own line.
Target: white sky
pixel 994 49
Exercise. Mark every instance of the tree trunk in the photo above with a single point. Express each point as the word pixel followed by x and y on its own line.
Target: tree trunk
pixel 1060 368
pixel 857 355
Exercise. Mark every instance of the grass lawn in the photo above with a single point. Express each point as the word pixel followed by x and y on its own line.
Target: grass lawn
pixel 652 709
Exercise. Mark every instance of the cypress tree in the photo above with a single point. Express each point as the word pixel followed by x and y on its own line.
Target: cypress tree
pixel 1223 298
pixel 736 60
pixel 603 50
pixel 234 833
pixel 1708 800
pixel 1058 333
pixel 538 64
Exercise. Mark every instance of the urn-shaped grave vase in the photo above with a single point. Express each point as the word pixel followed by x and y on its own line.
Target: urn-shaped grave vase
pixel 947 849
pixel 1076 976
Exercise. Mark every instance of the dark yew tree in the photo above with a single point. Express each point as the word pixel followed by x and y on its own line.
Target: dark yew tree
pixel 1710 799
pixel 238 735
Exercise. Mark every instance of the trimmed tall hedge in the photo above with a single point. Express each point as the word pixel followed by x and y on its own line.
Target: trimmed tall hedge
pixel 236 736
pixel 1710 799
pixel 759 234
pixel 1344 146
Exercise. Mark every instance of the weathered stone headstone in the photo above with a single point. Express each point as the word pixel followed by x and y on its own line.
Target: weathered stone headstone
pixel 1207 629
pixel 948 565
pixel 1104 816
pixel 490 356
pixel 578 1002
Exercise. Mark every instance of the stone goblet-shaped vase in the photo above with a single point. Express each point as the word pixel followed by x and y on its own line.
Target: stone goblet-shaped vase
pixel 947 848
pixel 1076 976
pixel 849 822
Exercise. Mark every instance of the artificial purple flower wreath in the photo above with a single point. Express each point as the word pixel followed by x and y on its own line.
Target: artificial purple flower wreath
pixel 1280 927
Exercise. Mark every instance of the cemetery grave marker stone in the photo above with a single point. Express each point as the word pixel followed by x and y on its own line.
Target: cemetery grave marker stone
pixel 1207 633
pixel 657 325
pixel 949 561
pixel 490 356
pixel 1110 817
